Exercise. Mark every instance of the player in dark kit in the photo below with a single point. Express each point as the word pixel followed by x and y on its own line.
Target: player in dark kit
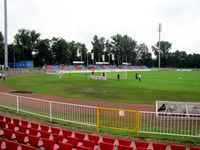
pixel 118 76
pixel 136 76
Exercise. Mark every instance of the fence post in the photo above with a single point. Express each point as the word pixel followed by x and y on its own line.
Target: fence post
pixel 17 104
pixel 50 111
pixel 97 121
pixel 138 122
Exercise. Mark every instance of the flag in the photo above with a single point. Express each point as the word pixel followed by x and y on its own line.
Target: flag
pixel 92 56
pixel 113 57
pixel 103 57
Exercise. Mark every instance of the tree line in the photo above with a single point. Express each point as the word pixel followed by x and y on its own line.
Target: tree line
pixel 28 45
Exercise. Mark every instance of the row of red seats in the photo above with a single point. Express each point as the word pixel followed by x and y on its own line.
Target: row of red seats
pixel 42 135
pixel 11 145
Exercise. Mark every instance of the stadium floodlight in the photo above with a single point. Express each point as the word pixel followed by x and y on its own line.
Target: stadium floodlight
pixel 5 36
pixel 159 30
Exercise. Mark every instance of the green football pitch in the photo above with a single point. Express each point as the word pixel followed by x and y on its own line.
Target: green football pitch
pixel 155 85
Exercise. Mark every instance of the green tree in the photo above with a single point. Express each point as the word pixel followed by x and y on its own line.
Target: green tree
pixel 108 51
pixel 144 57
pixel 73 52
pixel 98 46
pixel 82 51
pixel 124 48
pixel 60 52
pixel 43 53
pixel 25 42
pixel 165 46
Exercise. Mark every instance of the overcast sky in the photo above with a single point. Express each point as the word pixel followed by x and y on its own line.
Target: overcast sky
pixel 80 20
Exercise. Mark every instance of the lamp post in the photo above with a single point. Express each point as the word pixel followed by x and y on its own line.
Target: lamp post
pixel 14 59
pixel 81 57
pixel 87 59
pixel 43 62
pixel 5 36
pixel 159 30
pixel 109 59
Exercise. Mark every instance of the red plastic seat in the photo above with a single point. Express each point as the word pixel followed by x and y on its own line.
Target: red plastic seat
pixel 21 137
pixel 55 130
pixel 34 132
pixel 27 147
pixel 2 144
pixel 124 147
pixel 45 134
pixel 10 145
pixel 141 144
pixel 11 126
pixel 8 119
pixel 24 123
pixel 1 117
pixel 58 138
pixel 65 146
pixel 88 143
pixel 16 121
pixel 80 136
pixel 141 148
pixel 1 133
pixel 108 140
pixel 83 148
pixel 34 125
pixel 22 129
pixel 72 140
pixel 106 146
pixel 1 141
pixel 159 146
pixel 8 134
pixel 94 138
pixel 49 144
pixel 124 142
pixel 2 124
pixel 44 128
pixel 67 133
pixel 35 141
pixel 178 147
pixel 194 148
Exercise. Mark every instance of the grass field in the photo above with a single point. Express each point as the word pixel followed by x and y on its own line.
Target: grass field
pixel 155 85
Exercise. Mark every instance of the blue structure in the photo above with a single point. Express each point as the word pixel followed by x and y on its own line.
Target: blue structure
pixel 22 64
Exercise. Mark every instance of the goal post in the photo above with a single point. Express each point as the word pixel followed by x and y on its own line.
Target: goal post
pixel 113 74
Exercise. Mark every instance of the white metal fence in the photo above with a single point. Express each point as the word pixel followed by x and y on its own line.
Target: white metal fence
pixel 148 122
pixel 23 71
pixel 54 110
pixel 170 124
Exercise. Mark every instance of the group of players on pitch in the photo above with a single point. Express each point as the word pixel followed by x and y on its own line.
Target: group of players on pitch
pixel 137 76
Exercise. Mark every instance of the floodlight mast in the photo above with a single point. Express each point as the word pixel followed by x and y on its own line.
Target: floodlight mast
pixel 5 36
pixel 159 30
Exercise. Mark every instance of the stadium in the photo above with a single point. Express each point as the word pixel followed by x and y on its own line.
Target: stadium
pixel 107 105
pixel 67 88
